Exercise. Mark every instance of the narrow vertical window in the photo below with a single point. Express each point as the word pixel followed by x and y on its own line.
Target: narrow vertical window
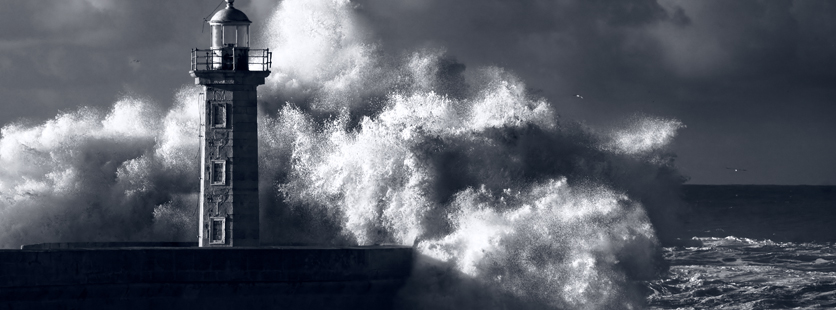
pixel 219 115
pixel 217 233
pixel 218 172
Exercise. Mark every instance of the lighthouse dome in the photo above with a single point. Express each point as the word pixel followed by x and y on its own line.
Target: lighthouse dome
pixel 229 15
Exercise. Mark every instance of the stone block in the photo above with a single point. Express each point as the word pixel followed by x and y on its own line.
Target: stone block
pixel 132 276
pixel 245 125
pixel 217 263
pixel 202 259
pixel 162 276
pixel 247 144
pixel 241 95
pixel 249 212
pixel 184 261
pixel 244 182
pixel 145 276
pixel 164 261
pixel 245 102
pixel 254 261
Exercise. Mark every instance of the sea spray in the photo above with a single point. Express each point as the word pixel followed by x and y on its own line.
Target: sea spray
pixel 323 57
pixel 482 177
pixel 643 135
pixel 86 175
pixel 551 243
pixel 479 183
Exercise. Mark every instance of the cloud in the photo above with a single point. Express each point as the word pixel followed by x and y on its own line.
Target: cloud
pixel 730 38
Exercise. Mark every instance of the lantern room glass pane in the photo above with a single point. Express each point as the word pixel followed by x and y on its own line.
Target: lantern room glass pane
pixel 243 36
pixel 230 35
pixel 217 36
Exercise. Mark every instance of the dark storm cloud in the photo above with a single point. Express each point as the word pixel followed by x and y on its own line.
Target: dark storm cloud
pixel 63 54
pixel 751 79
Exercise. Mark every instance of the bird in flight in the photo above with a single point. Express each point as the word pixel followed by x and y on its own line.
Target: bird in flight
pixel 579 96
pixel 736 169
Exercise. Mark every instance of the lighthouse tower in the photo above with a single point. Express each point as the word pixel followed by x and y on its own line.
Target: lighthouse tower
pixel 229 71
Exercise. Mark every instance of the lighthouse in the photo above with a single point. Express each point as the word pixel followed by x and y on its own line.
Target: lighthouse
pixel 229 71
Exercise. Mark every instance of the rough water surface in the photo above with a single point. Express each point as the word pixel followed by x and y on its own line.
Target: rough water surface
pixel 741 273
pixel 752 247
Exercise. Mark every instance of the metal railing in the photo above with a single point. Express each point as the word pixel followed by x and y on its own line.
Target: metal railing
pixel 231 59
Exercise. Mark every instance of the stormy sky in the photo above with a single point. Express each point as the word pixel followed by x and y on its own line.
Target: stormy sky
pixel 753 81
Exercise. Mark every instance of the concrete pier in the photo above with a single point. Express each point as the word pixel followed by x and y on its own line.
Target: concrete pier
pixel 206 278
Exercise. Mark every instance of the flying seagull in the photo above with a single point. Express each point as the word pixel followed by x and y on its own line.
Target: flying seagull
pixel 736 169
pixel 579 96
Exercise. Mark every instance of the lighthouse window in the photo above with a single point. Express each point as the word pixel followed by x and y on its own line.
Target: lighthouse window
pixel 217 233
pixel 218 172
pixel 219 115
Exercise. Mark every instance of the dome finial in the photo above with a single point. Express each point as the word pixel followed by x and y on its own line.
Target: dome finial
pixel 229 15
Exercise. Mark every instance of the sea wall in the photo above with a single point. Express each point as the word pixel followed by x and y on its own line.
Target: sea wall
pixel 187 277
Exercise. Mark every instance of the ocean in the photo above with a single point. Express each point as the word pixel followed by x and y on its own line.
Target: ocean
pixel 752 247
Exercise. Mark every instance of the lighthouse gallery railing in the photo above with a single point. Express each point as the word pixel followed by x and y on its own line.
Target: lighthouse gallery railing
pixel 232 58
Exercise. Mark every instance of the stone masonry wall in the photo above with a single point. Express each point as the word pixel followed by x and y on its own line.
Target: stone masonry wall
pixel 229 190
pixel 142 276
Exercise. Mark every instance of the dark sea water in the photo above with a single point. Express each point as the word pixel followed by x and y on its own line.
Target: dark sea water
pixel 753 247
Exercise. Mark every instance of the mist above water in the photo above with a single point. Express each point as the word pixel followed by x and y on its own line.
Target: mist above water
pixel 508 204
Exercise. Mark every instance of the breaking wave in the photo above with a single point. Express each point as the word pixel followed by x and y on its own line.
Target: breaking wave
pixel 128 174
pixel 508 204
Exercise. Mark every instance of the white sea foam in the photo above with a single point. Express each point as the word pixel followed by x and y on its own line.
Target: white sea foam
pixel 92 176
pixel 481 177
pixel 644 135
